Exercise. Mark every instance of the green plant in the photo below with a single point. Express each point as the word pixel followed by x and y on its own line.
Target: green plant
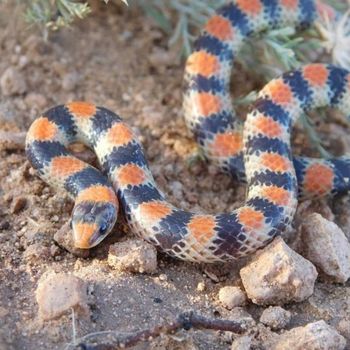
pixel 55 14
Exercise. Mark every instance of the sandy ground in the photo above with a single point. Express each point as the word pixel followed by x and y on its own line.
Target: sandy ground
pixel 120 60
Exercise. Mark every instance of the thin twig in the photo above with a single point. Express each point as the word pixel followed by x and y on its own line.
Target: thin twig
pixel 186 321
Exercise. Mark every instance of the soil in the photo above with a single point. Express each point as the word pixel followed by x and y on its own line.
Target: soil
pixel 119 59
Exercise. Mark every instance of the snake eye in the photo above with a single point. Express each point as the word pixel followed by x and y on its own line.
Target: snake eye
pixel 103 228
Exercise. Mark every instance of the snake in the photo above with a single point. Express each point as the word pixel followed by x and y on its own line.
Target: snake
pixel 258 150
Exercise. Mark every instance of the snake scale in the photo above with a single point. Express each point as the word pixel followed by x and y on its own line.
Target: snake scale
pixel 258 151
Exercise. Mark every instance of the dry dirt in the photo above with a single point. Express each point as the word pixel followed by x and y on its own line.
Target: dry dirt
pixel 120 60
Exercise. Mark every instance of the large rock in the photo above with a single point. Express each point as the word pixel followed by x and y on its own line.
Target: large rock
pixel 314 336
pixel 325 245
pixel 58 294
pixel 278 275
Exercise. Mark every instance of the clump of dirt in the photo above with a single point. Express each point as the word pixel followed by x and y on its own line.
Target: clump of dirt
pixel 118 59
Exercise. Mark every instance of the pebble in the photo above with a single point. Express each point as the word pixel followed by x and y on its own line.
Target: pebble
pixel 54 250
pixel 201 287
pixel 12 82
pixel 242 343
pixel 278 275
pixel 126 97
pixel 163 277
pixel 57 294
pixel 64 238
pixel 161 57
pixel 70 81
pixel 176 188
pixel 133 256
pixel 23 61
pixel 3 312
pixel 55 218
pixel 275 317
pixel 231 297
pixel 314 336
pixel 325 245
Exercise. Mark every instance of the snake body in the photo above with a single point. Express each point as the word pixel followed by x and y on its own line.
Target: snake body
pixel 208 107
pixel 261 153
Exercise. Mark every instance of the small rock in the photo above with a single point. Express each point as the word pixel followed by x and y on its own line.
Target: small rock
pixel 12 82
pixel 125 35
pixel 201 287
pixel 275 317
pixel 23 61
pixel 325 245
pixel 314 336
pixel 64 238
pixel 133 256
pixel 54 250
pixel 160 57
pixel 231 297
pixel 3 312
pixel 176 188
pixel 242 343
pixel 343 328
pixel 278 275
pixel 58 293
pixel 163 277
pixel 18 204
pixel 55 218
pixel 126 97
pixel 70 81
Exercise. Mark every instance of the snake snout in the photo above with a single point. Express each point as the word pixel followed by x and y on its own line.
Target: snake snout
pixel 92 222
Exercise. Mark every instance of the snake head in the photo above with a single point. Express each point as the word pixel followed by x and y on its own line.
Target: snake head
pixel 92 222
